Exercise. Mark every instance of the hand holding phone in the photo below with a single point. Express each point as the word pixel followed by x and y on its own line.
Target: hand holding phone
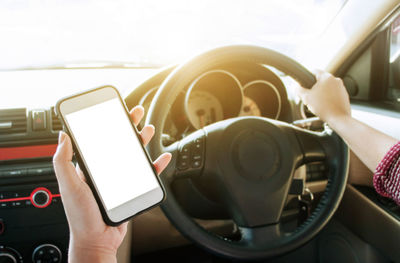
pixel 110 153
pixel 89 233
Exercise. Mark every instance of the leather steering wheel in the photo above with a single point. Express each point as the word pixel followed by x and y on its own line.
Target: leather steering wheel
pixel 250 160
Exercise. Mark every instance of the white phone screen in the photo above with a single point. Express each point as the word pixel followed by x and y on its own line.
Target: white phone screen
pixel 112 152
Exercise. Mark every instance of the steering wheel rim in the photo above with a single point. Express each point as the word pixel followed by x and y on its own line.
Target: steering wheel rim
pixel 160 106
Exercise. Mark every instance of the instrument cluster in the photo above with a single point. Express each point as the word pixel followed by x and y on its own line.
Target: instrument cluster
pixel 220 94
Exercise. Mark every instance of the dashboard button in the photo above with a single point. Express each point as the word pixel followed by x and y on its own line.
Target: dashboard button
pixel 40 171
pixel 46 253
pixel 12 173
pixel 16 204
pixel 38 120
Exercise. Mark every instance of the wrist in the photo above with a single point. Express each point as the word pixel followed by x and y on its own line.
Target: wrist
pixel 336 120
pixel 87 253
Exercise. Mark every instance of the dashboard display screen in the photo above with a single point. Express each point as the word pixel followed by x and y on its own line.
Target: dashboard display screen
pixel 112 152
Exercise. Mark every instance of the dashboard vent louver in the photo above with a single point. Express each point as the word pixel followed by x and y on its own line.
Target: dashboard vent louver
pixel 55 121
pixel 13 121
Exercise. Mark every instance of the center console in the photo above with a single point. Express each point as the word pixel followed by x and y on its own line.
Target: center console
pixel 33 226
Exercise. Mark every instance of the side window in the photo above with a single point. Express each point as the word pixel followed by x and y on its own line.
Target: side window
pixel 373 77
pixel 393 91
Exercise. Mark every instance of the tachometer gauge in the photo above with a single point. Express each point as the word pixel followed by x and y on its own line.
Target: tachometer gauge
pixel 262 98
pixel 203 109
pixel 250 108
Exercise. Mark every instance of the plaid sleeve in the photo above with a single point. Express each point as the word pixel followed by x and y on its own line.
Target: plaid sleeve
pixel 387 174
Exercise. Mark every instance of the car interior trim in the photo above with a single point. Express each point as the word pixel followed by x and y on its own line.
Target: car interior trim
pixel 34 151
pixel 388 236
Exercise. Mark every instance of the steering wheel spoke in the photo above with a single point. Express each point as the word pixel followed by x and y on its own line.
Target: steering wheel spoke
pixel 316 146
pixel 259 236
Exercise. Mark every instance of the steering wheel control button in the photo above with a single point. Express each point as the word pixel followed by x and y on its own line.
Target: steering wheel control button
pixel 46 253
pixel 41 197
pixel 185 149
pixel 196 164
pixel 182 165
pixel 190 157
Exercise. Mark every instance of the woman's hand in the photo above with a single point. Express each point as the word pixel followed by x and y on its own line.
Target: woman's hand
pixel 91 240
pixel 328 98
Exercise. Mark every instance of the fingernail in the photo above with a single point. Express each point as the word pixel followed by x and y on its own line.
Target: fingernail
pixel 61 137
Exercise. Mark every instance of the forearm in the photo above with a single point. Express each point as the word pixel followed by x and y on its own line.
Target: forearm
pixel 368 144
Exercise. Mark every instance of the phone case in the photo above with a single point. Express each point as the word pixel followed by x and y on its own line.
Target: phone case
pixel 83 167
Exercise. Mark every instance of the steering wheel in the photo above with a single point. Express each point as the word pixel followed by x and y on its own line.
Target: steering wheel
pixel 249 160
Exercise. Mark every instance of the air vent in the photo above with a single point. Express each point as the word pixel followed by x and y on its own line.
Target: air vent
pixel 55 121
pixel 12 121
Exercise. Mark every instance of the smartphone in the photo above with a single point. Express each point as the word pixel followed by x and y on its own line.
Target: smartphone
pixel 110 153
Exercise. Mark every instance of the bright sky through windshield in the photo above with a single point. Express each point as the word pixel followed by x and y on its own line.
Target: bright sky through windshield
pixel 54 33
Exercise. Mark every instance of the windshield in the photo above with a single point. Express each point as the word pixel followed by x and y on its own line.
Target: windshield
pixel 151 33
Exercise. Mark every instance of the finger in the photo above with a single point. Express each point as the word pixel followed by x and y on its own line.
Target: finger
pixel 62 161
pixel 162 162
pixel 318 73
pixel 147 133
pixel 80 173
pixel 137 114
pixel 301 92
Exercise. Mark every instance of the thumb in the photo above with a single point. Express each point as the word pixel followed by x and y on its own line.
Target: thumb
pixel 62 162
pixel 300 91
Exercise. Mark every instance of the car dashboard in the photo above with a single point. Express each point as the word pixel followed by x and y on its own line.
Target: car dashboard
pixel 33 225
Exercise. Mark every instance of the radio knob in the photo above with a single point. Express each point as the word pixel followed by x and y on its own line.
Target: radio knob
pixel 7 258
pixel 46 253
pixel 9 255
pixel 41 198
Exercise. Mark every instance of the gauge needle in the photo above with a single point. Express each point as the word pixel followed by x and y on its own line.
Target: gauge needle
pixel 201 113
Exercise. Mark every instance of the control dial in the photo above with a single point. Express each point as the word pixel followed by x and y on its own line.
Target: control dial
pixel 41 197
pixel 9 255
pixel 46 253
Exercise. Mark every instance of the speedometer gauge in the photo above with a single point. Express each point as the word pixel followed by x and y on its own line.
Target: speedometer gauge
pixel 213 96
pixel 203 109
pixel 250 108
